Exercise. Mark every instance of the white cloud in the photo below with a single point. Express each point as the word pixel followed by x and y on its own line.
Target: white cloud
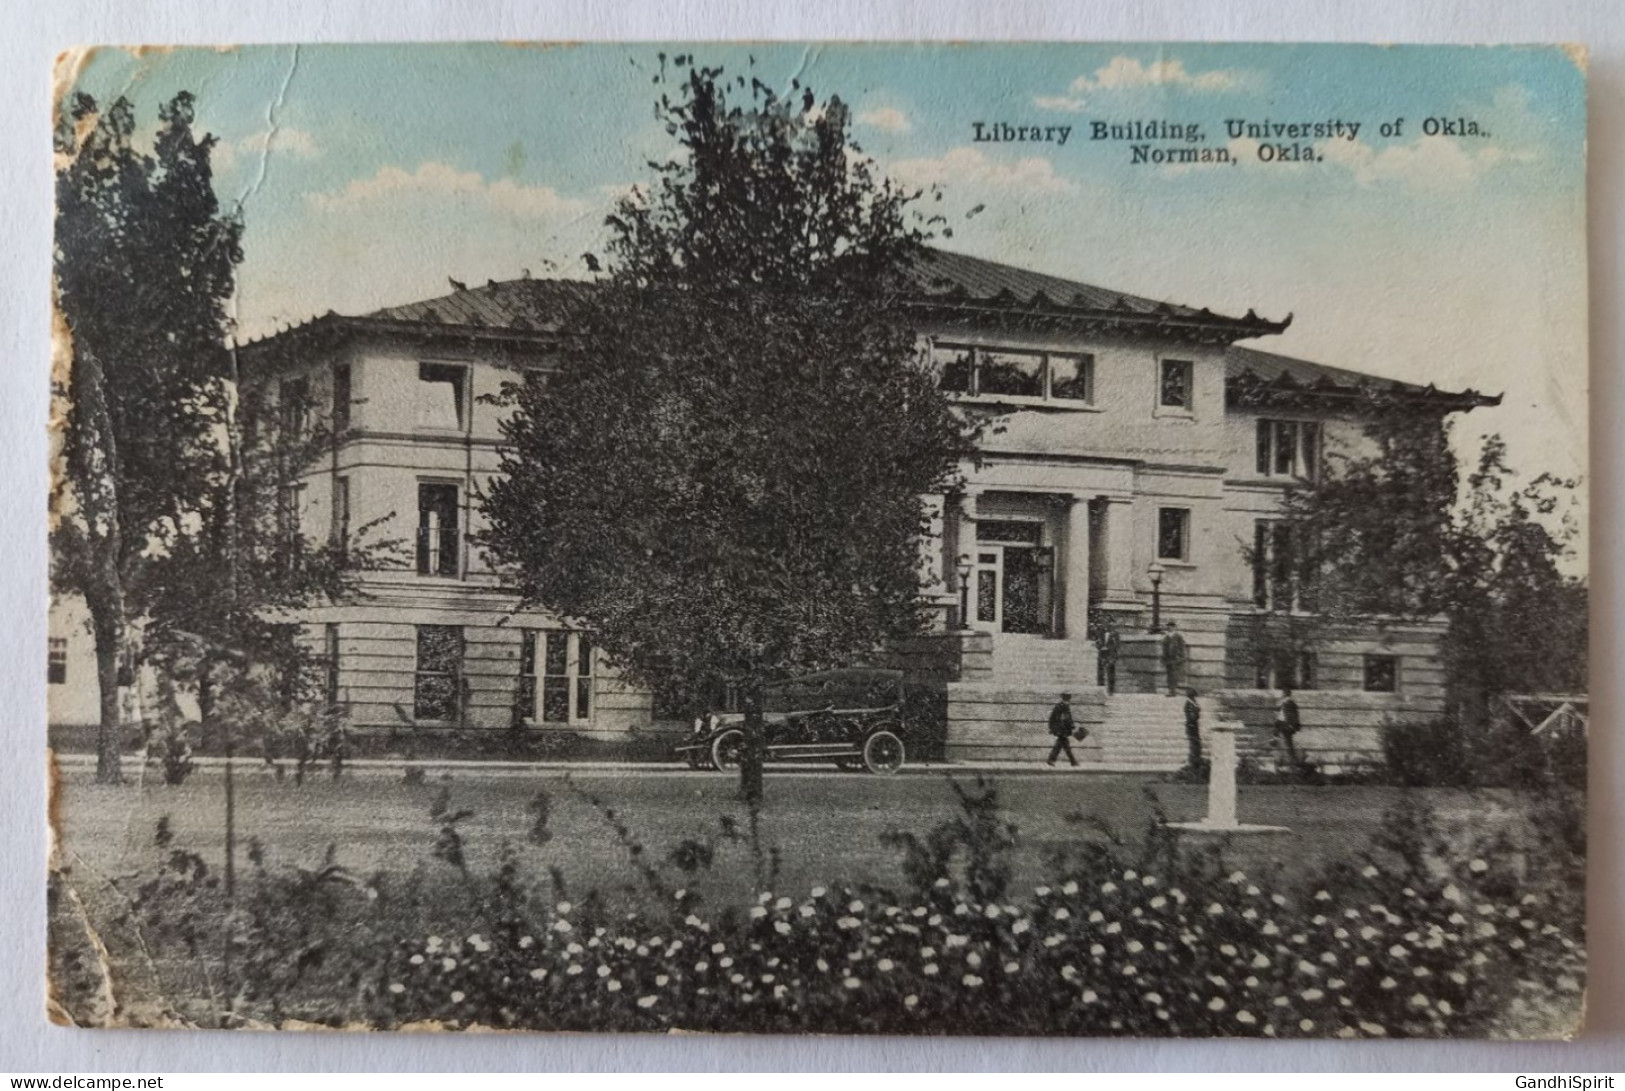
pixel 228 154
pixel 440 181
pixel 1436 163
pixel 1071 104
pixel 964 166
pixel 1122 73
pixel 889 118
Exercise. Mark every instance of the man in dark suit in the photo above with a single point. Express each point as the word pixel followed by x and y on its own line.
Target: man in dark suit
pixel 1110 645
pixel 1288 723
pixel 1193 728
pixel 1061 725
pixel 1173 658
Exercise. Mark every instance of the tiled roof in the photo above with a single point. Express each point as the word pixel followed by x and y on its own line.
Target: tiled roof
pixel 1253 371
pixel 945 274
pixel 509 305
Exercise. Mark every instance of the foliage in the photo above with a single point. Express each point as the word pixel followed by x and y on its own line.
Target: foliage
pixel 144 266
pixel 724 478
pixel 1425 933
pixel 1391 530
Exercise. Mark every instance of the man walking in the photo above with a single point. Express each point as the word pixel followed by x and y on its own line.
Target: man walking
pixel 1061 726
pixel 1193 729
pixel 1287 724
pixel 1173 658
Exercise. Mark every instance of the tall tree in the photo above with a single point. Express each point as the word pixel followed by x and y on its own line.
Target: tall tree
pixel 1391 530
pixel 145 266
pixel 725 479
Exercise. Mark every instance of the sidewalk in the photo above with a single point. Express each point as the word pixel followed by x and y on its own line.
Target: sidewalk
pixel 430 766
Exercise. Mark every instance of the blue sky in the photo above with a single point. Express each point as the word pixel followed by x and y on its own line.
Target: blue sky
pixel 1445 259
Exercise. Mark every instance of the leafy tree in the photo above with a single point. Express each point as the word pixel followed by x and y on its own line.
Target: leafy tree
pixel 725 478
pixel 144 267
pixel 1391 530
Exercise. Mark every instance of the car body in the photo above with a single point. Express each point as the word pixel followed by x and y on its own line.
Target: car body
pixel 850 717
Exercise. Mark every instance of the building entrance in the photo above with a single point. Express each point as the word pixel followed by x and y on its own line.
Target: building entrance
pixel 1014 578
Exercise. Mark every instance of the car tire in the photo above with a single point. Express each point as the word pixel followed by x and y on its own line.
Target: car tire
pixel 727 749
pixel 883 753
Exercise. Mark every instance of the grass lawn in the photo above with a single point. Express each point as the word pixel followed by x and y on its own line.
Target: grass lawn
pixel 828 828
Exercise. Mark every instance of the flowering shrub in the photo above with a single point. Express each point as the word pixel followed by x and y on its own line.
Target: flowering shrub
pixel 1400 944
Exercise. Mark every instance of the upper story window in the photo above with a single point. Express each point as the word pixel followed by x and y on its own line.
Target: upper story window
pixel 341 397
pixel 442 397
pixel 439 545
pixel 1173 534
pixel 339 525
pixel 1061 378
pixel 1177 387
pixel 1288 448
pixel 293 408
pixel 57 663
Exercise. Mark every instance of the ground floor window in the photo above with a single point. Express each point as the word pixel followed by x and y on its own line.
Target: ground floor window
pixel 1381 674
pixel 57 662
pixel 330 666
pixel 438 689
pixel 1286 669
pixel 556 671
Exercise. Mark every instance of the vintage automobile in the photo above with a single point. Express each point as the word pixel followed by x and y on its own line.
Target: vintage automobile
pixel 850 717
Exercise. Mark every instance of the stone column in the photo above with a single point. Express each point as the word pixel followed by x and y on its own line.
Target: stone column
pixel 1075 570
pixel 1119 535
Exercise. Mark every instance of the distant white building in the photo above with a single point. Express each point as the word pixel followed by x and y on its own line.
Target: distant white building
pixel 1138 472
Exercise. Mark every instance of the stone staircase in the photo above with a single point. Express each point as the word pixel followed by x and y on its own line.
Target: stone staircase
pixel 1147 731
pixel 1041 665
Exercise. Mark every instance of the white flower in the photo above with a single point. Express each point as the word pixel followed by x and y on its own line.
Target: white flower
pixel 910 1000
pixel 1216 1004
pixel 1215 909
pixel 561 926
pixel 848 923
pixel 942 883
pixel 603 971
pixel 852 983
pixel 538 974
pixel 757 912
pixel 1387 983
pixel 1134 947
pixel 1227 949
pixel 1089 996
pixel 1069 972
pixel 817 892
pixel 1260 962
pixel 457 997
pixel 1108 888
pixel 970 981
pixel 416 960
pixel 1311 994
pixel 886 965
pixel 725 962
pixel 1306 1025
pixel 929 969
pixel 1398 951
pixel 1012 967
pixel 1113 928
pixel 614 986
pixel 575 968
pixel 1246 1017
pixel 562 908
pixel 1020 926
pixel 396 987
pixel 1478 866
pixel 1069 887
pixel 701 966
pixel 448 964
pixel 1158 902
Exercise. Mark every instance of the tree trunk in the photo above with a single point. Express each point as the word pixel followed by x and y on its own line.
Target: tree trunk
pixel 107 622
pixel 754 753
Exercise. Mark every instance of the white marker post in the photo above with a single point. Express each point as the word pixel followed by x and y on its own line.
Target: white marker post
pixel 1221 787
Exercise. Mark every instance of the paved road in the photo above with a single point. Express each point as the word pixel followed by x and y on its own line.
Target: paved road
pixel 828 827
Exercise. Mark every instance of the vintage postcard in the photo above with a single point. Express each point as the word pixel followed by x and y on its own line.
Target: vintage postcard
pixel 1020 539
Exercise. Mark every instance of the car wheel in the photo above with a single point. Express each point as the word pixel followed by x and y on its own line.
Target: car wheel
pixel 883 753
pixel 726 750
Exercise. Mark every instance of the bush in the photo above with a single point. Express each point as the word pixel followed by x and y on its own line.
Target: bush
pixel 1416 938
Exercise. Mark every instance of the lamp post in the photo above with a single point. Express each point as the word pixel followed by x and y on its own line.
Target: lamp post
pixel 1156 570
pixel 964 591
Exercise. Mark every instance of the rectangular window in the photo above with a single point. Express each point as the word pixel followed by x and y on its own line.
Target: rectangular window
pixel 330 664
pixel 340 526
pixel 1173 534
pixel 1011 373
pixel 341 398
pixel 1288 448
pixel 1018 374
pixel 525 697
pixel 442 397
pixel 290 509
pixel 439 544
pixel 438 689
pixel 1381 674
pixel 1176 390
pixel 293 408
pixel 560 665
pixel 56 663
pixel 1283 570
pixel 957 368
pixel 1072 378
